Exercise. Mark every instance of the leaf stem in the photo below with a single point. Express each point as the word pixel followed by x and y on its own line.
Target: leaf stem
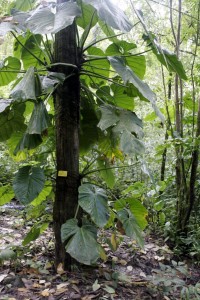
pixel 110 168
pixel 39 60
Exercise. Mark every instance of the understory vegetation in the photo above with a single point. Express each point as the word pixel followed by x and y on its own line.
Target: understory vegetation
pixel 99 148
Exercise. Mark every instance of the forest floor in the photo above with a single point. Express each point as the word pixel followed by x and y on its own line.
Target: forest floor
pixel 128 273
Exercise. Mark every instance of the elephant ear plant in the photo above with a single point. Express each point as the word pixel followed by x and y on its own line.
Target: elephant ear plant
pixel 69 96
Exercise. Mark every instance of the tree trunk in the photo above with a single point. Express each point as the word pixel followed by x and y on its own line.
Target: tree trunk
pixel 66 104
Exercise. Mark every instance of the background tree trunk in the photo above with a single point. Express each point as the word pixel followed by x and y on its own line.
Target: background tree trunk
pixel 66 102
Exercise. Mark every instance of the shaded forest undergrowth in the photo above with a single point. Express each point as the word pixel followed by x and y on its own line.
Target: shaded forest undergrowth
pixel 27 272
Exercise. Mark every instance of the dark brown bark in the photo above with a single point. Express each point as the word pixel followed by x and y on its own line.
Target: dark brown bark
pixel 66 101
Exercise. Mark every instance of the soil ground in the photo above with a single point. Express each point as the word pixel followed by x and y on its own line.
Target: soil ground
pixel 128 273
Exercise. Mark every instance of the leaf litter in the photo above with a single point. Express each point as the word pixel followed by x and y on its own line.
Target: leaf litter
pixel 128 273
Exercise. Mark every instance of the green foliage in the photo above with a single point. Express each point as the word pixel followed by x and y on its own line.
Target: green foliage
pixel 25 89
pixel 111 14
pixel 110 131
pixel 28 183
pixel 137 209
pixel 83 238
pixel 93 200
pixel 11 120
pixel 6 194
pixel 167 58
pixel 9 68
pixel 130 226
pixel 44 21
pixel 106 173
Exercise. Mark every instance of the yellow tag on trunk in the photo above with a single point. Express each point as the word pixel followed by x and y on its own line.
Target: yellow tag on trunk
pixel 62 173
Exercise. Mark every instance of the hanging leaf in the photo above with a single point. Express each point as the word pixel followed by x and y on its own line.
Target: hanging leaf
pixel 12 120
pixel 167 58
pixel 130 145
pixel 9 69
pixel 111 14
pixel 39 120
pixel 128 75
pixel 129 121
pixel 124 124
pixel 108 117
pixel 131 226
pixel 93 200
pixel 44 21
pixel 6 194
pixel 87 11
pixel 28 183
pixel 82 244
pixel 25 89
pixel 28 141
pixel 49 82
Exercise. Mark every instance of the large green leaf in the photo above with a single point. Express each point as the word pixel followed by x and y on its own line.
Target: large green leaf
pixel 98 67
pixel 93 200
pixel 129 121
pixel 6 194
pixel 137 65
pixel 167 58
pixel 111 14
pixel 138 210
pixel 49 81
pixel 108 144
pixel 131 226
pixel 28 141
pixel 116 95
pixel 11 120
pixel 28 183
pixel 137 62
pixel 124 124
pixel 44 21
pixel 130 145
pixel 9 69
pixel 128 75
pixel 32 54
pixel 120 47
pixel 87 12
pixel 106 172
pixel 39 120
pixel 82 244
pixel 30 49
pixel 25 89
pixel 109 117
